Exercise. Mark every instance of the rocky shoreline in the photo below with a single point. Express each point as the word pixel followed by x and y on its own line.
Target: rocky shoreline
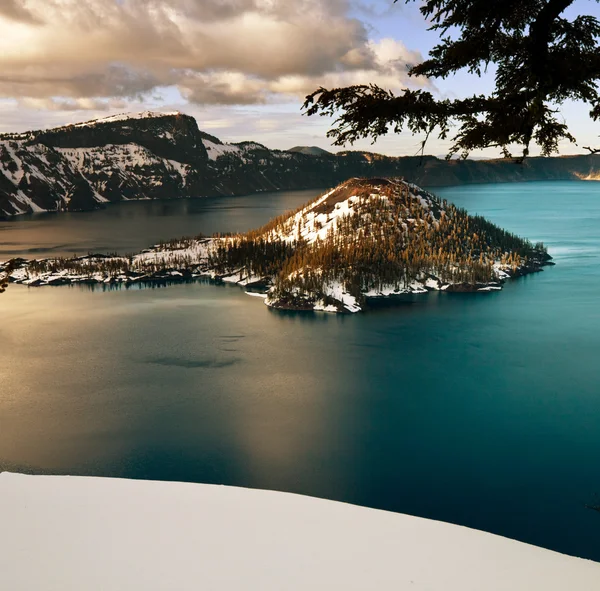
pixel 17 271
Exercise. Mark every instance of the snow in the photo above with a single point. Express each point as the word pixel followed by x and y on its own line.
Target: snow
pixel 128 160
pixel 122 157
pixel 312 226
pixel 251 146
pixel 235 277
pixel 16 176
pixel 592 176
pixel 501 270
pixel 216 150
pixel 125 117
pixel 182 170
pixel 321 307
pixel 20 196
pixel 196 252
pixel 385 291
pixel 337 291
pixel 239 277
pixel 104 159
pixel 256 294
pixel 63 533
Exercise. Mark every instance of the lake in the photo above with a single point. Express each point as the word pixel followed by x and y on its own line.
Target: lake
pixel 476 409
pixel 130 226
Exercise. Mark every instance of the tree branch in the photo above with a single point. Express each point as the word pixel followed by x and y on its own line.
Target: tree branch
pixel 542 60
pixel 591 150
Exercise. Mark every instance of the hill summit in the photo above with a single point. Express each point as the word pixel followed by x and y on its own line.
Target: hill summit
pixel 310 151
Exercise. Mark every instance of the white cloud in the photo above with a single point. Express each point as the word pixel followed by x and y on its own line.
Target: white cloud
pixel 79 104
pixel 214 51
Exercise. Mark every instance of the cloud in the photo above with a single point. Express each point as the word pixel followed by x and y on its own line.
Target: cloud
pixel 16 10
pixel 223 88
pixel 222 52
pixel 111 81
pixel 80 104
pixel 389 69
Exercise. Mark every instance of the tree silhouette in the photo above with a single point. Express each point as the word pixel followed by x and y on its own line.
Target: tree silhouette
pixel 541 59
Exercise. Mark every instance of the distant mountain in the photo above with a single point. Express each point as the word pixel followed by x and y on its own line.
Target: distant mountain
pixel 165 156
pixel 310 151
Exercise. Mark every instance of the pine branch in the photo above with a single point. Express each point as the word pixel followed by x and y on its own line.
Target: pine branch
pixel 542 60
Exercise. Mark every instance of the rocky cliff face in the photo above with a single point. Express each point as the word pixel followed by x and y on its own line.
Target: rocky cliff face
pixel 166 156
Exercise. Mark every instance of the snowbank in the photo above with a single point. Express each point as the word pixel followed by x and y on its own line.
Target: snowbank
pixel 72 533
pixel 216 150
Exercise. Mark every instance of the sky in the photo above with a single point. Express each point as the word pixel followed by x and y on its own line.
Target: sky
pixel 241 67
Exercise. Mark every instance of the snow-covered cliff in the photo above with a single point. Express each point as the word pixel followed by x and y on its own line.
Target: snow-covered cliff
pixel 141 156
pixel 165 156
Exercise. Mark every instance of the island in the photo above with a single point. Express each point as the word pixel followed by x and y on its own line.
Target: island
pixel 364 239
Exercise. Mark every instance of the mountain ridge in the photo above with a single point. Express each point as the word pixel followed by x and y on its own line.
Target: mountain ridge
pixel 86 165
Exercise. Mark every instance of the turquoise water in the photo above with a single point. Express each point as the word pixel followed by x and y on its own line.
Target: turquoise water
pixel 477 409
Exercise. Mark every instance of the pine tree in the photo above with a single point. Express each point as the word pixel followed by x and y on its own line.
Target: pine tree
pixel 541 59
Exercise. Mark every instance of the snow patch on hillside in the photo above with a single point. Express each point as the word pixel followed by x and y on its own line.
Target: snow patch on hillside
pixel 311 224
pixel 338 292
pixel 414 287
pixel 109 157
pixel 194 253
pixel 181 169
pixel 10 164
pixel 28 202
pixel 216 150
pixel 130 161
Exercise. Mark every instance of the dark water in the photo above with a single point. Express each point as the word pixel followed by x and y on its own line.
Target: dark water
pixel 131 226
pixel 477 409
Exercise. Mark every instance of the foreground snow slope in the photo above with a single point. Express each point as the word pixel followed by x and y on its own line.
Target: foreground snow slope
pixel 73 533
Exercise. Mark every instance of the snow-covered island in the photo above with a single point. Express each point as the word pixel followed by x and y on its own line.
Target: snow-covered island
pixel 367 238
pixel 74 533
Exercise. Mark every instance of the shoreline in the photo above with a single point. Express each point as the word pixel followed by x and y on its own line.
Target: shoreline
pixel 257 287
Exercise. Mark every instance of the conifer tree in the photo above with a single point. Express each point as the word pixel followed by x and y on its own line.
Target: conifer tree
pixel 541 58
